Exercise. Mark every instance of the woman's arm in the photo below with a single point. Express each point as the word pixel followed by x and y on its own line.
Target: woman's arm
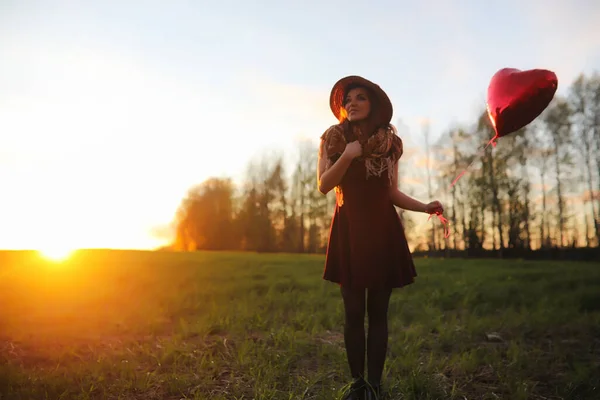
pixel 329 179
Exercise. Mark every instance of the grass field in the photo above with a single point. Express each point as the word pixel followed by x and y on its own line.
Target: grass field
pixel 143 325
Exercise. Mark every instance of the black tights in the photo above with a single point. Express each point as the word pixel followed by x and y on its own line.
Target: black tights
pixel 354 331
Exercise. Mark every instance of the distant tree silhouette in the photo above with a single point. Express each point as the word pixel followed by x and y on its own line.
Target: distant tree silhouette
pixel 539 188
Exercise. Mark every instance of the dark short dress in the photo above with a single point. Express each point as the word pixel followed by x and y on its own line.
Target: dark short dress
pixel 367 245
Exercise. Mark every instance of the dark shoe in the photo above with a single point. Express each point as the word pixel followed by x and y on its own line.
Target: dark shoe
pixel 356 391
pixel 374 392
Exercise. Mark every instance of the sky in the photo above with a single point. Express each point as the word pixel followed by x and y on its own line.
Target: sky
pixel 110 111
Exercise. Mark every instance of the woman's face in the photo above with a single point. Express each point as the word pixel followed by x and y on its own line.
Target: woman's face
pixel 357 104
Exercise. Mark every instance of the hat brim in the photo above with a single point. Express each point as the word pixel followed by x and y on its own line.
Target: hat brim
pixel 336 98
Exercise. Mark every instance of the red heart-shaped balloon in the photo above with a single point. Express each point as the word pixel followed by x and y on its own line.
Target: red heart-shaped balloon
pixel 515 97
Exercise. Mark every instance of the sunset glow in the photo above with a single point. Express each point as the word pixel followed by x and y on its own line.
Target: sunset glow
pixel 106 123
pixel 56 254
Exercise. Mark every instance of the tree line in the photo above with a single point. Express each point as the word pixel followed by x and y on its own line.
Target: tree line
pixel 538 189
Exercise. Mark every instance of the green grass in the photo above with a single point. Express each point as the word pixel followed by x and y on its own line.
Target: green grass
pixel 143 325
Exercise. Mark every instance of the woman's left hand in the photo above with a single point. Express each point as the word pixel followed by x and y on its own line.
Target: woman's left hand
pixel 435 207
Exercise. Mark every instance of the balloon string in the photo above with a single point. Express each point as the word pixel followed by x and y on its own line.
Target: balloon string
pixel 444 222
pixel 481 153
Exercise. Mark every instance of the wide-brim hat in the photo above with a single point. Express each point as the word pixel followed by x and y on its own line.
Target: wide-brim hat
pixel 336 98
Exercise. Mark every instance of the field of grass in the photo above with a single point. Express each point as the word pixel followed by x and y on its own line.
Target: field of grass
pixel 143 325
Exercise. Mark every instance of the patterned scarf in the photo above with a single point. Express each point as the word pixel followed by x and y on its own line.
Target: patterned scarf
pixel 380 151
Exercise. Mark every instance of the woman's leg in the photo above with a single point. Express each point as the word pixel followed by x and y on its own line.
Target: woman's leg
pixel 377 308
pixel 354 330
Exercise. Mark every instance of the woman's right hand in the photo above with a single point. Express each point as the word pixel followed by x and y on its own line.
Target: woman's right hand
pixel 353 150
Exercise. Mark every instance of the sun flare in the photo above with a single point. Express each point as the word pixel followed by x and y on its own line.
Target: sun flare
pixel 56 254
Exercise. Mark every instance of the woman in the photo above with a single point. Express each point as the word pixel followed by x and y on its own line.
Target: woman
pixel 367 249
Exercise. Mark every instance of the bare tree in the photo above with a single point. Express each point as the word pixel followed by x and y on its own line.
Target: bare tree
pixel 585 113
pixel 557 120
pixel 426 132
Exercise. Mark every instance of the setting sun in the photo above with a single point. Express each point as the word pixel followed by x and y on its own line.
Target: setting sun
pixel 56 254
